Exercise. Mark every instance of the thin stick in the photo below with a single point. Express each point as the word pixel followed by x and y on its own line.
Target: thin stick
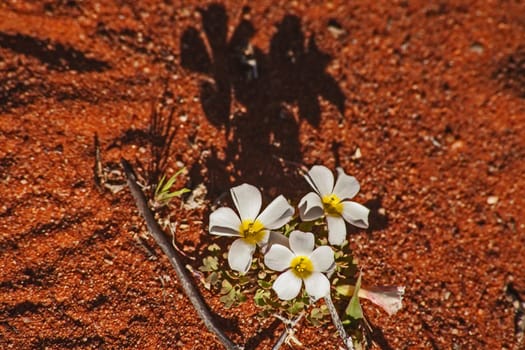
pixel 175 259
pixel 289 328
pixel 337 323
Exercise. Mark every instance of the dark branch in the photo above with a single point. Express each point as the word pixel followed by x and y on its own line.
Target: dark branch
pixel 175 259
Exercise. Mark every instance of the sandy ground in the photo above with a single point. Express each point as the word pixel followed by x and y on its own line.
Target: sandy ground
pixel 423 102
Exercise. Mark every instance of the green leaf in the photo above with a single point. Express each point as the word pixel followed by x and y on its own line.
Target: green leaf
pixel 264 284
pixel 162 194
pixel 296 307
pixel 212 280
pixel 354 309
pixel 260 297
pixel 165 187
pixel 159 185
pixel 244 279
pixel 166 196
pixel 306 226
pixel 232 275
pixel 209 264
pixel 289 227
pixel 345 290
pixel 233 296
pixel 316 313
pixel 275 304
pixel 227 300
pixel 214 247
pixel 241 298
pixel 226 287
pixel 315 316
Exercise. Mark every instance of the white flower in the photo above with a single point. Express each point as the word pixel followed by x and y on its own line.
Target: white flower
pixel 252 227
pixel 390 298
pixel 300 263
pixel 330 201
pixel 275 237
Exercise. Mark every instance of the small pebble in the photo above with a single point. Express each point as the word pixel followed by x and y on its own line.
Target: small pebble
pixel 357 154
pixel 492 200
pixel 477 48
pixel 336 29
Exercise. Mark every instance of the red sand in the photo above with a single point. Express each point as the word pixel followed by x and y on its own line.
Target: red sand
pixel 433 97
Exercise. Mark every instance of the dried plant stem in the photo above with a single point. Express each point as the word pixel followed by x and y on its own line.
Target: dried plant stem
pixel 337 323
pixel 290 325
pixel 175 259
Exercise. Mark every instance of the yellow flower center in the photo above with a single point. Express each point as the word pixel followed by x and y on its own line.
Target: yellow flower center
pixel 332 205
pixel 302 266
pixel 252 231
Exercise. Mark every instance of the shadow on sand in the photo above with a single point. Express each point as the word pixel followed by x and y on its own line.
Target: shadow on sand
pixel 258 98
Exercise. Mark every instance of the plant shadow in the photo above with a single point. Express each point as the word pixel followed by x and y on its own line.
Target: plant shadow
pixel 377 336
pixel 255 341
pixel 55 55
pixel 162 133
pixel 377 218
pixel 259 99
pixel 158 137
pixel 511 72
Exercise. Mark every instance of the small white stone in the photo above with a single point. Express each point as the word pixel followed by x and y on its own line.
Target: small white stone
pixel 492 200
pixel 357 154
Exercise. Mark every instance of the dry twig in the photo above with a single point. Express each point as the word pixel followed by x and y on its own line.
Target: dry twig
pixel 175 259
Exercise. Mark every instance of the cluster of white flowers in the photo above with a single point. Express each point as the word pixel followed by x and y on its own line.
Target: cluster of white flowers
pixel 300 262
pixel 296 256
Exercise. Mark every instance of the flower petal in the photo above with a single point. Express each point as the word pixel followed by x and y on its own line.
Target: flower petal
pixel 317 285
pixel 240 255
pixel 356 214
pixel 277 213
pixel 336 230
pixel 322 258
pixel 302 243
pixel 287 285
pixel 264 239
pixel 224 222
pixel 278 257
pixel 247 200
pixel 321 179
pixel 389 298
pixel 311 207
pixel 346 186
pixel 275 237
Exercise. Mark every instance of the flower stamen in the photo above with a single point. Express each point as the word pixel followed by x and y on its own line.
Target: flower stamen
pixel 302 266
pixel 252 231
pixel 332 205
